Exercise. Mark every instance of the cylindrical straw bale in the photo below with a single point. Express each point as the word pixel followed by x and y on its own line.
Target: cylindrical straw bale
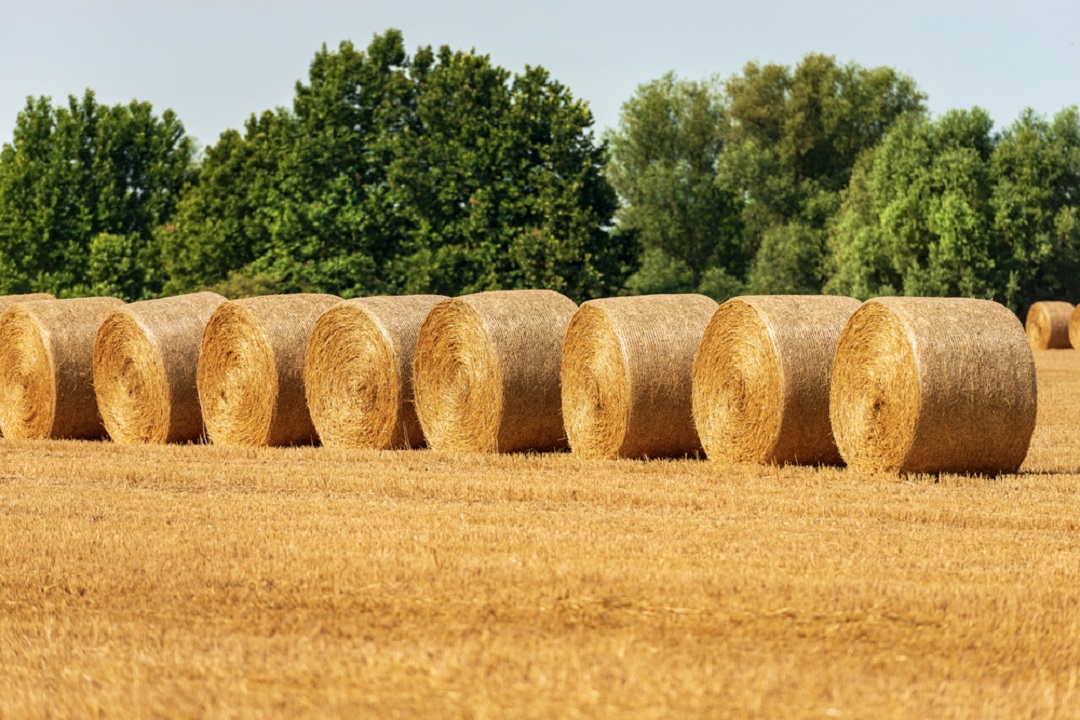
pixel 933 385
pixel 626 373
pixel 251 368
pixel 358 372
pixel 761 379
pixel 486 373
pixel 145 362
pixel 1049 325
pixel 46 368
pixel 1074 329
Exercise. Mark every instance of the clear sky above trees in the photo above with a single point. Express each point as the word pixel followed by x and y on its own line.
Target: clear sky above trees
pixel 216 62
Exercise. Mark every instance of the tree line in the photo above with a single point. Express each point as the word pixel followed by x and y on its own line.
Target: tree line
pixel 442 172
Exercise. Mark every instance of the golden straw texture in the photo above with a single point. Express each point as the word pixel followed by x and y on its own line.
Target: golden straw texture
pixel 486 374
pixel 145 362
pixel 626 373
pixel 46 368
pixel 933 385
pixel 251 367
pixel 1049 325
pixel 6 300
pixel 761 379
pixel 1074 329
pixel 358 372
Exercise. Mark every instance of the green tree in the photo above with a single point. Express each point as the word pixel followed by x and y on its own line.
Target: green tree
pixel 663 166
pixel 435 173
pixel 83 189
pixel 794 139
pixel 918 217
pixel 1036 182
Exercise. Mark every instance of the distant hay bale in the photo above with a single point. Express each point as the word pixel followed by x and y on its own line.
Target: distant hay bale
pixel 626 373
pixel 486 373
pixel 1049 325
pixel 358 372
pixel 761 379
pixel 46 368
pixel 933 385
pixel 251 367
pixel 145 361
pixel 1074 329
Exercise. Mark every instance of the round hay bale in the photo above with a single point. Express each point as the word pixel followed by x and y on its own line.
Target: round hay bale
pixel 486 373
pixel 933 385
pixel 145 361
pixel 251 367
pixel 46 368
pixel 358 372
pixel 761 379
pixel 1049 325
pixel 1074 329
pixel 626 373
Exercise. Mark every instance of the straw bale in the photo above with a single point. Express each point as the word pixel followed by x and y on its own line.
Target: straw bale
pixel 626 373
pixel 358 372
pixel 1074 329
pixel 761 379
pixel 1048 325
pixel 46 368
pixel 251 367
pixel 933 385
pixel 486 373
pixel 145 361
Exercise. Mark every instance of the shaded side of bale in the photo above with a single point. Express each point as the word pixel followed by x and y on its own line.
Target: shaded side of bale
pixel 933 385
pixel 762 376
pixel 626 373
pixel 145 362
pixel 1048 325
pixel 251 367
pixel 358 372
pixel 486 373
pixel 46 368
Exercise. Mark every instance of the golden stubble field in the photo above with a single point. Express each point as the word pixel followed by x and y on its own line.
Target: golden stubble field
pixel 210 582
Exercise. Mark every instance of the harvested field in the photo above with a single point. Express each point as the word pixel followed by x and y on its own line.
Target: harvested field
pixel 240 582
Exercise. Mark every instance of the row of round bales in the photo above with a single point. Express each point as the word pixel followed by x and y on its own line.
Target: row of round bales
pixel 892 384
pixel 1053 325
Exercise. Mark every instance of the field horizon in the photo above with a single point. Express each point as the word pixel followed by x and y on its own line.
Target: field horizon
pixel 193 581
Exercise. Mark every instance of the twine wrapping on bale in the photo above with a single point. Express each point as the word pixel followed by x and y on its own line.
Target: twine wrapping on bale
pixel 46 368
pixel 251 367
pixel 761 379
pixel 1049 326
pixel 358 372
pixel 145 362
pixel 933 385
pixel 626 373
pixel 486 373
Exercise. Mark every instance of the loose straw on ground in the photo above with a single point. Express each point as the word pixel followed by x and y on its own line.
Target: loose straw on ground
pixel 761 379
pixel 145 362
pixel 358 372
pixel 1048 325
pixel 251 368
pixel 486 374
pixel 626 373
pixel 46 368
pixel 933 385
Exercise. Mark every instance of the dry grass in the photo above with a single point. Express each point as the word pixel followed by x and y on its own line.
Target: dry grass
pixel 210 581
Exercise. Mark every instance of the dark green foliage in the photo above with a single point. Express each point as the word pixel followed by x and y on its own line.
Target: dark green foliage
pixel 82 190
pixel 437 173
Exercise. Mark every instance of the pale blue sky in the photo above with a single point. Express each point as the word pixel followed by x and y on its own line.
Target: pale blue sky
pixel 215 63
